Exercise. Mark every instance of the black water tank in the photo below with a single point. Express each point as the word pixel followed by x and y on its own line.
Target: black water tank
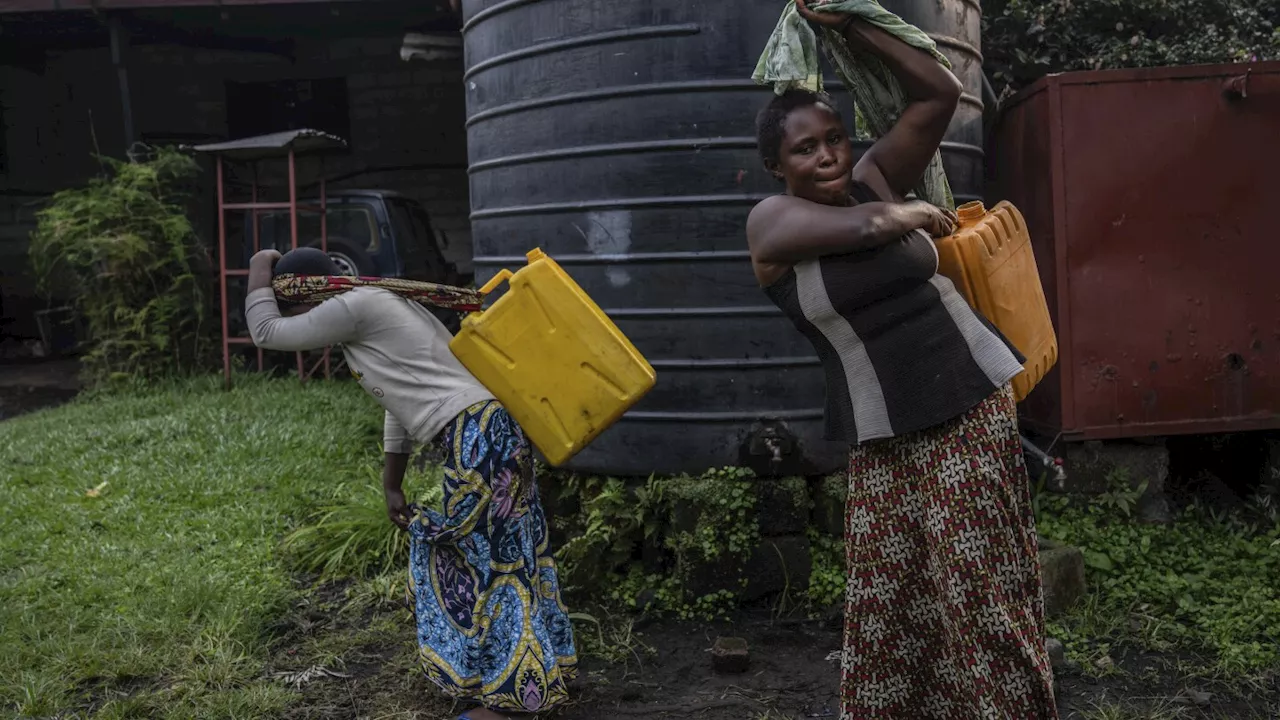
pixel 619 138
pixel 956 26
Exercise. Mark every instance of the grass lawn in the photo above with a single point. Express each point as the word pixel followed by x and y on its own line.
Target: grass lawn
pixel 140 562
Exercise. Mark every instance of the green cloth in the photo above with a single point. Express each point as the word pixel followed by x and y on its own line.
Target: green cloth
pixel 790 59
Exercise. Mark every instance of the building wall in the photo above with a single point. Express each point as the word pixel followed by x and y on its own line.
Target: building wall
pixel 407 121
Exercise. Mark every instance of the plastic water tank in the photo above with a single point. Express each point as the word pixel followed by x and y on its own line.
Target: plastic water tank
pixel 619 138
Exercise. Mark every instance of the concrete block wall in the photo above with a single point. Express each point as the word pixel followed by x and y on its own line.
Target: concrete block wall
pixel 19 298
pixel 407 124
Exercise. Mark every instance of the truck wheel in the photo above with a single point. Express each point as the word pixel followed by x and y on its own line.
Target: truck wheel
pixel 350 259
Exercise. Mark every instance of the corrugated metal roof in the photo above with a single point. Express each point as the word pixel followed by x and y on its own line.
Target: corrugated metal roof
pixel 261 147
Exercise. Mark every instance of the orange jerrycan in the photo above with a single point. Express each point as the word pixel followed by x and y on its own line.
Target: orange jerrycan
pixel 990 261
pixel 548 353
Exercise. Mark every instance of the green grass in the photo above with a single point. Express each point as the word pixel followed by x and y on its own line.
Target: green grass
pixel 141 567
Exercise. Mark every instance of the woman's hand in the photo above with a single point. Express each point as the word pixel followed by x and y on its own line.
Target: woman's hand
pixel 829 19
pixel 398 510
pixel 267 258
pixel 394 465
pixel 260 269
pixel 934 220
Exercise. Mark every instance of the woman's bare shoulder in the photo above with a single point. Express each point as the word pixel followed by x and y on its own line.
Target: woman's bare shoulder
pixel 764 214
pixel 771 205
pixel 768 209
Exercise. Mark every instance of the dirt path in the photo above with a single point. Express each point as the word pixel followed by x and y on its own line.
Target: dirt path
pixel 27 387
pixel 663 671
pixel 792 674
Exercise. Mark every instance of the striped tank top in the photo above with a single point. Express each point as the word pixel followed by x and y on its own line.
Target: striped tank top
pixel 901 349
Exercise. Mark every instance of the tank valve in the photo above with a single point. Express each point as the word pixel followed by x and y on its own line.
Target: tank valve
pixel 768 446
pixel 1052 466
pixel 1237 88
pixel 775 448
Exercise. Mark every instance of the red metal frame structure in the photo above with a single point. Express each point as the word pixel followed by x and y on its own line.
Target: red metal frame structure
pixel 288 146
pixel 1146 196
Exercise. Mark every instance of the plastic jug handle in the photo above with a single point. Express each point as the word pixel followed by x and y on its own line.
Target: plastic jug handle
pixel 495 281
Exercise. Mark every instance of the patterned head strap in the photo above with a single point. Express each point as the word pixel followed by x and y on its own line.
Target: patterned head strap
pixel 311 289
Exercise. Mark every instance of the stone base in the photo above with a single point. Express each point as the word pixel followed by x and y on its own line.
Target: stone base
pixel 829 496
pixel 1092 467
pixel 782 506
pixel 1062 572
pixel 779 564
pixel 1269 483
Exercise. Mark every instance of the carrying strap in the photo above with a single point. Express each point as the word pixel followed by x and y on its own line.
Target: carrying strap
pixel 312 289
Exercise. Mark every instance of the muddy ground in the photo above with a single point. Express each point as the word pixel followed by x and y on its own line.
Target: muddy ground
pixel 663 670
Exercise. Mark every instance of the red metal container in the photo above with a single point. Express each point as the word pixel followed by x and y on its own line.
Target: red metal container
pixel 1151 198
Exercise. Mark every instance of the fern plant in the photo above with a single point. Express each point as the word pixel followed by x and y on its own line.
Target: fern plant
pixel 124 252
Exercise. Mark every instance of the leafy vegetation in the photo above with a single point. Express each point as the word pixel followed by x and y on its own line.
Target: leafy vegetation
pixel 645 544
pixel 1201 585
pixel 827 557
pixel 604 523
pixel 830 571
pixel 124 252
pixel 1023 40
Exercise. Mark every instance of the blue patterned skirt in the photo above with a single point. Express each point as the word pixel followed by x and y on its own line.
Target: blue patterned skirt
pixel 491 626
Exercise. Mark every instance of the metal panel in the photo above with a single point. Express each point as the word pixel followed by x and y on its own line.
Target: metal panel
pixel 1158 243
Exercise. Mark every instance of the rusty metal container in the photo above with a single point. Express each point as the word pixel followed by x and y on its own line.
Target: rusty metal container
pixel 1150 201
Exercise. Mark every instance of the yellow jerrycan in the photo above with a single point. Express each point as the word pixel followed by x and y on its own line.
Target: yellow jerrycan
pixel 547 352
pixel 989 260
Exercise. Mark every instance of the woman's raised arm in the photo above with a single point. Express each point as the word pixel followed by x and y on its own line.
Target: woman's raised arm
pixel 932 92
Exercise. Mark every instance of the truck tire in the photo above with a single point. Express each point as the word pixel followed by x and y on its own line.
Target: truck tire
pixel 350 259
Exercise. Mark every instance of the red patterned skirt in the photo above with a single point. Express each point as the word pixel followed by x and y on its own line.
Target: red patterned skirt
pixel 944 611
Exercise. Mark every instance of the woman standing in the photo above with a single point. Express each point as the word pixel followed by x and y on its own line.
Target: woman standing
pixel 943 609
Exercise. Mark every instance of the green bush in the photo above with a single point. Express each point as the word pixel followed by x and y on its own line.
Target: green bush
pixel 1024 40
pixel 123 250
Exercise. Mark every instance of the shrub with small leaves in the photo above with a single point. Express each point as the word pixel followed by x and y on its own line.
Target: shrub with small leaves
pixel 830 570
pixel 123 250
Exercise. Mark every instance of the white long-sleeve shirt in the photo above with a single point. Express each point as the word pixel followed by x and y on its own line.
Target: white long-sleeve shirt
pixel 396 349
